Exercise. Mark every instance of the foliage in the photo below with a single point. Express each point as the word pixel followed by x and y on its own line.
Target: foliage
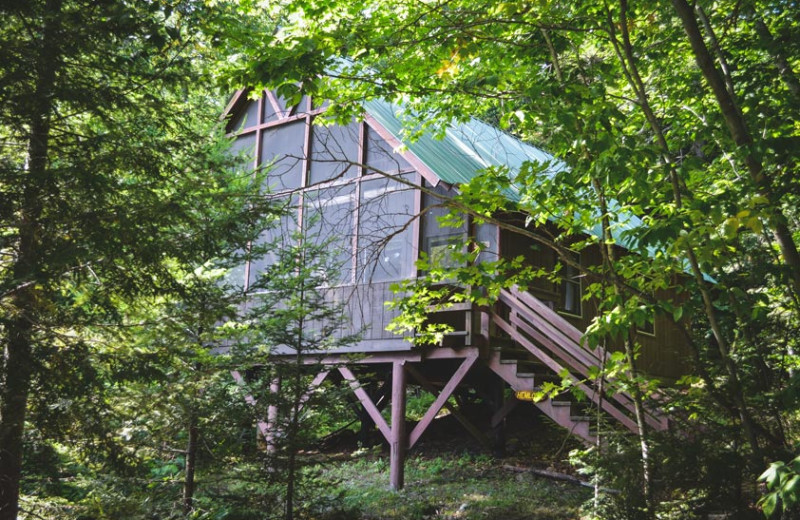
pixel 115 183
pixel 783 483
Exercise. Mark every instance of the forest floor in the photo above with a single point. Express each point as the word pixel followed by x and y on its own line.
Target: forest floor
pixel 448 475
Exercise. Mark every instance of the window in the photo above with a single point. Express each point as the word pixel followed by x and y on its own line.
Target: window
pixel 648 328
pixel 334 149
pixel 328 221
pixel 248 118
pixel 283 150
pixel 442 250
pixel 570 288
pixel 244 148
pixel 279 236
pixel 385 235
pixel 380 157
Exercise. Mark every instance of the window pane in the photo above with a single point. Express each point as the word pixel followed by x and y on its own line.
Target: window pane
pixel 328 221
pixel 247 118
pixel 385 232
pixel 571 289
pixel 278 237
pixel 244 147
pixel 285 145
pixel 333 150
pixel 439 241
pixel 380 157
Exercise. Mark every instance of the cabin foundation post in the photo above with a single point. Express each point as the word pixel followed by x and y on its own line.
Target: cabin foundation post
pixel 272 415
pixel 397 443
pixel 499 426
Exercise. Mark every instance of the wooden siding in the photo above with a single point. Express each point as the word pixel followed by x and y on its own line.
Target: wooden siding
pixel 663 354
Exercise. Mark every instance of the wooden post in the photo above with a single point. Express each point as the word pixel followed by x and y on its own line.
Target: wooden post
pixel 499 427
pixel 397 443
pixel 272 415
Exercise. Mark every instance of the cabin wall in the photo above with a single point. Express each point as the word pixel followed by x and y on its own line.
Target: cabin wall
pixel 663 353
pixel 345 189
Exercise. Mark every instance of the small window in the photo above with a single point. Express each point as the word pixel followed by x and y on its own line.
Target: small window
pixel 385 236
pixel 334 152
pixel 243 148
pixel 442 250
pixel 570 289
pixel 283 151
pixel 328 222
pixel 247 118
pixel 648 328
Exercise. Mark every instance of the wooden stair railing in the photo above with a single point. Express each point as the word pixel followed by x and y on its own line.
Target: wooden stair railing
pixel 559 345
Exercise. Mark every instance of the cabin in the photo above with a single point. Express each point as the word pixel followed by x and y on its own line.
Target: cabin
pixel 377 200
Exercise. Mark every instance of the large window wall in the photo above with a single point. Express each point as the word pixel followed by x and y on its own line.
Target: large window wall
pixel 346 188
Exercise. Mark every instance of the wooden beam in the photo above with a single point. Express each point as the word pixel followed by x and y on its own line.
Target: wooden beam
pixel 272 415
pixel 397 443
pixel 440 401
pixel 366 402
pixel 471 428
pixel 503 412
pixel 249 399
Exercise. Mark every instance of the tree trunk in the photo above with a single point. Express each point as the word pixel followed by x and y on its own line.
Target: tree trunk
pixel 609 258
pixel 14 399
pixel 742 137
pixel 18 353
pixel 191 458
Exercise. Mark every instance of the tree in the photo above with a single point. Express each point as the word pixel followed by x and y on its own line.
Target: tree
pixel 290 319
pixel 677 126
pixel 111 176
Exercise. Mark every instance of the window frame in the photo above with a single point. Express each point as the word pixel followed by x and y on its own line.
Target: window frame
pixel 568 279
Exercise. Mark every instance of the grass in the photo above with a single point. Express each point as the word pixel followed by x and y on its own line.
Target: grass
pixel 446 486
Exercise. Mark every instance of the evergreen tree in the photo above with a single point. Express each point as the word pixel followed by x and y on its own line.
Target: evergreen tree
pixel 292 321
pixel 110 176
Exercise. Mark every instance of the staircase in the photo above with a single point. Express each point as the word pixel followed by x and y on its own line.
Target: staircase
pixel 540 343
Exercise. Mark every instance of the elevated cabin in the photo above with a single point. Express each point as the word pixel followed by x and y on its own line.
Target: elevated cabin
pixel 357 186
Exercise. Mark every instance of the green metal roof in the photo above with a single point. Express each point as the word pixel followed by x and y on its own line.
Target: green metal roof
pixel 469 148
pixel 466 148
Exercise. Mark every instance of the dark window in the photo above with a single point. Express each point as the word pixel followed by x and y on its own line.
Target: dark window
pixel 571 288
pixel 283 150
pixel 649 326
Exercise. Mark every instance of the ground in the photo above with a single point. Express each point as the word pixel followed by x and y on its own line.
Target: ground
pixel 449 476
